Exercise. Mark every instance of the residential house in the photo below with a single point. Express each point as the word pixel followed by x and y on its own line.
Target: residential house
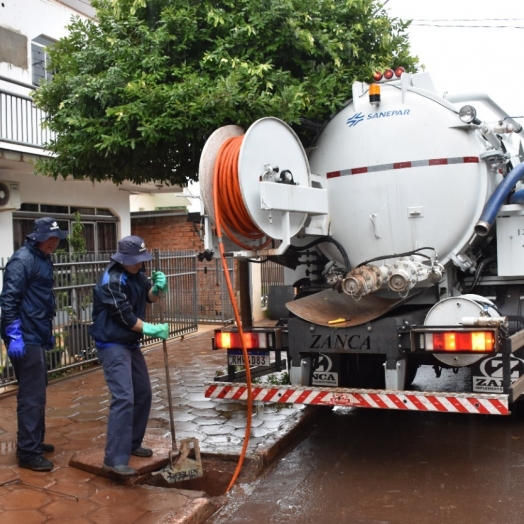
pixel 27 28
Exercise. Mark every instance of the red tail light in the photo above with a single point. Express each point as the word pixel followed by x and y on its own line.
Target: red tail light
pixel 377 76
pixel 231 340
pixel 474 341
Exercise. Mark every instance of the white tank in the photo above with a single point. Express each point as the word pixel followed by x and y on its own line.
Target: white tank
pixel 402 175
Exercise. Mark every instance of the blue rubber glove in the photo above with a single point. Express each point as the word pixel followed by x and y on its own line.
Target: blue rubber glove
pixel 156 330
pixel 16 347
pixel 52 341
pixel 159 282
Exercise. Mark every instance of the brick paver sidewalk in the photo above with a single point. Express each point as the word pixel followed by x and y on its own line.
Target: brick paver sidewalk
pixel 76 421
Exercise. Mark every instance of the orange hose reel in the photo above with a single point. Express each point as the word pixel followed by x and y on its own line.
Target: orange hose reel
pixel 229 203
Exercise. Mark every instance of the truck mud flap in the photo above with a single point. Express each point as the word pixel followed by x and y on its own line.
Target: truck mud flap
pixel 443 402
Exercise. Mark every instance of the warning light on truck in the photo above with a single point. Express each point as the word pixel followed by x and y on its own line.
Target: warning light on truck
pixel 475 341
pixel 231 340
pixel 388 74
pixel 399 71
pixel 374 94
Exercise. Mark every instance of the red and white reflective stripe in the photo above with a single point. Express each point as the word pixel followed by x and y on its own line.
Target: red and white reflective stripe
pixel 366 398
pixel 405 165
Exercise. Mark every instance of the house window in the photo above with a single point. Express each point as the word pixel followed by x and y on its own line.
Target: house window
pixel 40 60
pixel 100 226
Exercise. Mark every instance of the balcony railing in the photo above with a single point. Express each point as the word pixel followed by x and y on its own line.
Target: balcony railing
pixel 20 120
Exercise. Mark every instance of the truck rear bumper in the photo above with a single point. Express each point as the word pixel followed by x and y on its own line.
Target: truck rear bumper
pixel 473 403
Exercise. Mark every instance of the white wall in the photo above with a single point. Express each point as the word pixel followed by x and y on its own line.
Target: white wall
pixel 33 18
pixel 50 18
pixel 6 229
pixel 44 190
pixel 150 202
pixel 142 202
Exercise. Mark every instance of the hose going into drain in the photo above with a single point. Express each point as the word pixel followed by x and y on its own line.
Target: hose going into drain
pixel 230 214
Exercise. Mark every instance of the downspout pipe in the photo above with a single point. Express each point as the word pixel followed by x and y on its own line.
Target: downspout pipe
pixel 496 200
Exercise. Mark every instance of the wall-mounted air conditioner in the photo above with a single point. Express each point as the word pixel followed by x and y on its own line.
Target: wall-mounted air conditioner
pixel 9 195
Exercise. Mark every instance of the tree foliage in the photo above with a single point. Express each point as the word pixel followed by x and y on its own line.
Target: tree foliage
pixel 137 91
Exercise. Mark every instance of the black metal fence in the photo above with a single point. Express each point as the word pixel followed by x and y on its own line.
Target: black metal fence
pixel 272 274
pixel 75 278
pixel 214 304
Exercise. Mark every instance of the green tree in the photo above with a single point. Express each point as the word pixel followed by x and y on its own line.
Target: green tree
pixel 76 239
pixel 137 91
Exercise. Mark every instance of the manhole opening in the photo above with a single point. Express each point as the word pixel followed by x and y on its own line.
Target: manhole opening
pixel 216 479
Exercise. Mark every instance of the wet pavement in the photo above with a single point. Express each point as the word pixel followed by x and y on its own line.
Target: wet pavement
pixel 367 466
pixel 76 419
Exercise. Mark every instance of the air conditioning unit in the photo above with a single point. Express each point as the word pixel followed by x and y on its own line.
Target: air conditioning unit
pixel 9 195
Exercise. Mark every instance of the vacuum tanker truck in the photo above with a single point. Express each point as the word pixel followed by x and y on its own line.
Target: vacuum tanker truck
pixel 401 229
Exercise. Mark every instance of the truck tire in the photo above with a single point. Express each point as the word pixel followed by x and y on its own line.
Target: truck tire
pixel 411 373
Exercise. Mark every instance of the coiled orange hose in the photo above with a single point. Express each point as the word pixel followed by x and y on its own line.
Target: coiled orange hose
pixel 230 213
pixel 234 217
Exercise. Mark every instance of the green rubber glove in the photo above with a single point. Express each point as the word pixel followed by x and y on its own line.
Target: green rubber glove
pixel 156 330
pixel 159 282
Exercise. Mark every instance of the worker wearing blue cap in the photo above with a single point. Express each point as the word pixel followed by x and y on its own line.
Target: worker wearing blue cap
pixel 28 307
pixel 119 308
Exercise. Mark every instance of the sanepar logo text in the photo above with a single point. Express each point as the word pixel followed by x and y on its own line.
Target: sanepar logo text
pixel 359 117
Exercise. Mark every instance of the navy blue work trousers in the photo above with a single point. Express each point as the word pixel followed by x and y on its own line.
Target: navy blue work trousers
pixel 31 373
pixel 128 381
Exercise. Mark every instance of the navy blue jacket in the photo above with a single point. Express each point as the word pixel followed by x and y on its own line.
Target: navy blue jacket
pixel 27 295
pixel 119 299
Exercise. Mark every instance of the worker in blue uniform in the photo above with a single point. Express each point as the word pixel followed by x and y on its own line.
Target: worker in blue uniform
pixel 28 307
pixel 119 308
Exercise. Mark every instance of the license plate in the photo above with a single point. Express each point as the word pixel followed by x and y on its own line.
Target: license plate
pixel 234 359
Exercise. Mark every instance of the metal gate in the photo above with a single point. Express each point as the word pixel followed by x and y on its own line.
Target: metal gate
pixel 75 278
pixel 272 274
pixel 214 304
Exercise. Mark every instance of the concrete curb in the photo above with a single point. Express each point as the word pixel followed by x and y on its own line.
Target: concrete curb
pixel 258 462
pixel 196 511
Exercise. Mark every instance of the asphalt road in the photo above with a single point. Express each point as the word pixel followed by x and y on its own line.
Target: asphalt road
pixel 364 466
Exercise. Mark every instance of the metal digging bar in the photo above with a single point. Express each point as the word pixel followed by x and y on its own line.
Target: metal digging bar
pixel 181 467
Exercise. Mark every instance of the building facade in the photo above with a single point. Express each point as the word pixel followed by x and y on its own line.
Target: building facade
pixel 27 29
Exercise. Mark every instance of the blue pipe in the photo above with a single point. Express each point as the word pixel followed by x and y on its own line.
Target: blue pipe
pixel 496 200
pixel 517 197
